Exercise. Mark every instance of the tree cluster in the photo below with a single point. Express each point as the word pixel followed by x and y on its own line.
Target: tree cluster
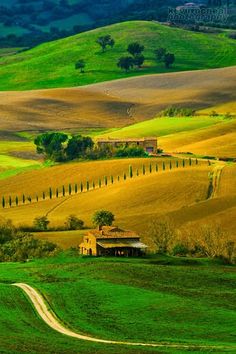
pixel 21 246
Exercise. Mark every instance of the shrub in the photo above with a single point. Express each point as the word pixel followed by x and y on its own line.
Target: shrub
pixel 131 151
pixel 41 223
pixel 180 250
pixel 178 112
pixel 74 223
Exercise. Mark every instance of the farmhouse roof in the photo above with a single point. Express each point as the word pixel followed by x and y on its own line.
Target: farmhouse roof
pixel 121 244
pixel 113 232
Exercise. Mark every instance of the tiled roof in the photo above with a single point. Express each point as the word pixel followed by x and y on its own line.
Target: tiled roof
pixel 112 232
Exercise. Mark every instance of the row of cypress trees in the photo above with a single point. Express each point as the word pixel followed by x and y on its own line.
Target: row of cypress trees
pixel 82 187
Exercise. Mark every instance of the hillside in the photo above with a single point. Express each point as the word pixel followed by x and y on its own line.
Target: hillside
pixel 53 64
pixel 117 103
pixel 83 294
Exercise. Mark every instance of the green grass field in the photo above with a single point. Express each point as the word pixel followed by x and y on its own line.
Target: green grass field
pixel 163 126
pixel 181 301
pixel 53 64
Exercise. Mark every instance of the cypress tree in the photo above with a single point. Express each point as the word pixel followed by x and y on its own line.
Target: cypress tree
pixel 209 162
pixel 10 201
pixel 29 199
pixel 87 185
pixel 144 170
pixel 156 167
pixel 177 163
pixel 112 179
pixel 100 183
pixel 17 201
pixel 69 189
pixel 3 202
pixel 105 180
pixel 190 161
pixel 44 196
pixel 57 193
pixel 93 185
pixel 124 176
pixel 196 161
pixel 76 188
pixel 130 171
pixel 118 178
pixel 63 191
pixel 23 199
pixel 170 165
pixel 50 193
pixel 163 166
pixel 137 173
pixel 183 162
pixel 37 198
pixel 150 168
pixel 81 187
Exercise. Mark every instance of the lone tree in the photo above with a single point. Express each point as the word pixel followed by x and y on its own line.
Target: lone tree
pixel 126 63
pixel 80 65
pixel 135 48
pixel 41 223
pixel 160 53
pixel 169 59
pixel 103 218
pixel 139 60
pixel 105 41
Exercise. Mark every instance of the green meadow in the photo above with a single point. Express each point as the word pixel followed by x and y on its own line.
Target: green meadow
pixel 157 299
pixel 163 126
pixel 53 64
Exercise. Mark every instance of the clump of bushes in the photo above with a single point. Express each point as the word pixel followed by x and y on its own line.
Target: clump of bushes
pixel 203 241
pixel 17 246
pixel 178 112
pixel 131 151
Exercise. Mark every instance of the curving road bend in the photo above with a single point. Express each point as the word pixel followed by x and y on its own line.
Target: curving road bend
pixel 50 318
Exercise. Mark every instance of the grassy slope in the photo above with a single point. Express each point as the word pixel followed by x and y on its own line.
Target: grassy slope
pixel 200 135
pixel 194 304
pixel 52 64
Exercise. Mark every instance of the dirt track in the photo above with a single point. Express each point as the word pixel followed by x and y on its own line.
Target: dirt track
pixel 115 103
pixel 51 320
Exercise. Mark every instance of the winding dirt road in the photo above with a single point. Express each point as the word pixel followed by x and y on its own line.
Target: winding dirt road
pixel 50 318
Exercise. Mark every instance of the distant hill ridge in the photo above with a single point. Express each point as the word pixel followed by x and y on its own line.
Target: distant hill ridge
pixel 52 64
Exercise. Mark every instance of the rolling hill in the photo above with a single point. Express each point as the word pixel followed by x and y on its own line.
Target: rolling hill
pixel 53 64
pixel 117 103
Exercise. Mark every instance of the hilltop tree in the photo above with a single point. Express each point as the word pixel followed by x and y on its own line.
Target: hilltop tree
pixel 105 41
pixel 135 48
pixel 139 60
pixel 126 63
pixel 169 59
pixel 103 218
pixel 160 53
pixel 80 65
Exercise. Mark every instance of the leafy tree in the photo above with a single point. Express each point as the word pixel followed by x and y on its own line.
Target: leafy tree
pixel 162 234
pixel 126 63
pixel 169 59
pixel 51 145
pixel 74 223
pixel 160 53
pixel 139 60
pixel 105 41
pixel 103 218
pixel 80 65
pixel 78 146
pixel 135 48
pixel 41 223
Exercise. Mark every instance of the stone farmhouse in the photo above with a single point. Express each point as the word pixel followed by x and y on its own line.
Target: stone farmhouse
pixel 112 241
pixel 149 144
